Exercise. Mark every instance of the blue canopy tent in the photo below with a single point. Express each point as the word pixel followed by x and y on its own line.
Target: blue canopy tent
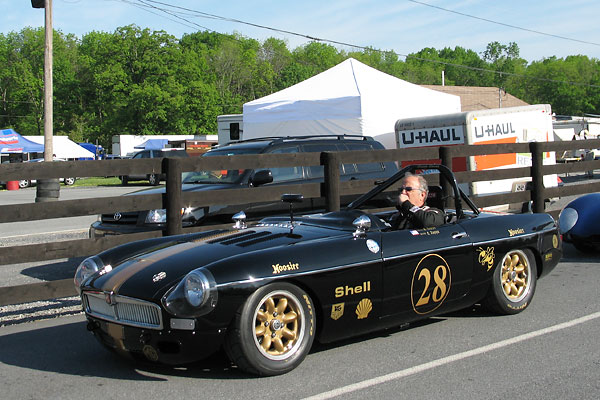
pixel 12 142
pixel 153 144
pixel 92 148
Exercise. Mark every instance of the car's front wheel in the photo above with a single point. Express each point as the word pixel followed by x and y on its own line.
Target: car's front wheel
pixel 69 181
pixel 273 331
pixel 24 183
pixel 513 283
pixel 124 180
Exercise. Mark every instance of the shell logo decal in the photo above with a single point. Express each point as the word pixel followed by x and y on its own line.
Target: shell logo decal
pixel 364 308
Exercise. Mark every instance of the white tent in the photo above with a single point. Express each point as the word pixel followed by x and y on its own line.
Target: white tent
pixel 64 147
pixel 350 98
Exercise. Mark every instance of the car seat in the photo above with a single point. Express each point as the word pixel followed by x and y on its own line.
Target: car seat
pixel 435 197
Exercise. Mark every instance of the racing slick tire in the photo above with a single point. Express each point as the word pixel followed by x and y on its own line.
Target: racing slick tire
pixel 153 179
pixel 273 331
pixel 513 283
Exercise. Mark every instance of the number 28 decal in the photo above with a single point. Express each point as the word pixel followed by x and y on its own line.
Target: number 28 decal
pixel 430 284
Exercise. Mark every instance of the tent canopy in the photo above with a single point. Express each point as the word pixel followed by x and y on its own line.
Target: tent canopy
pixel 12 142
pixel 63 147
pixel 153 144
pixel 350 98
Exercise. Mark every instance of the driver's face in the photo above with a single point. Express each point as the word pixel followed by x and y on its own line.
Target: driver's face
pixel 411 191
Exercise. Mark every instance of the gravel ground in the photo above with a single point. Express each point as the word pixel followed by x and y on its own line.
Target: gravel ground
pixel 28 312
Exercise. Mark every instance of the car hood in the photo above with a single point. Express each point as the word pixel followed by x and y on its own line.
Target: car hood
pixel 148 272
pixel 187 187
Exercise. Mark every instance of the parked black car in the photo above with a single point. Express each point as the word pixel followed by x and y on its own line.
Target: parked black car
pixel 131 222
pixel 153 179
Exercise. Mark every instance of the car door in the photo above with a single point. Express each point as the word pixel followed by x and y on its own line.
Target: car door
pixel 425 271
pixel 140 155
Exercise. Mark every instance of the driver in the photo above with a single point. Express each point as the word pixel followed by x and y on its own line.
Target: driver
pixel 412 211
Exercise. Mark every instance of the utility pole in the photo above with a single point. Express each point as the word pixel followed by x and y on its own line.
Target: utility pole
pixel 47 189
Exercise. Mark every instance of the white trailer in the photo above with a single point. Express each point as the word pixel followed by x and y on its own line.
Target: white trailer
pixel 230 128
pixel 501 125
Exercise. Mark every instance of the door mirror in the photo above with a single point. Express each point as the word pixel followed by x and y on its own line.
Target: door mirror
pixel 261 177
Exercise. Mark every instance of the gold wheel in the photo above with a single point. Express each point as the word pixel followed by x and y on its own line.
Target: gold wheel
pixel 515 275
pixel 278 325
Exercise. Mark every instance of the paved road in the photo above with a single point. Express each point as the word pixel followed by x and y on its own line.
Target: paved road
pixel 56 226
pixel 550 351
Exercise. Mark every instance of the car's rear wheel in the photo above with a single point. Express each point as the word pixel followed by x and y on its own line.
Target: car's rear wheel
pixel 124 180
pixel 153 179
pixel 513 283
pixel 273 331
pixel 69 181
pixel 24 183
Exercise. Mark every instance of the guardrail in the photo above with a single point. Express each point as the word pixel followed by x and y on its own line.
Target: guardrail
pixel 330 190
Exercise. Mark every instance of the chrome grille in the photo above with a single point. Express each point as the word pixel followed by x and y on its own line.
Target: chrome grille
pixel 124 310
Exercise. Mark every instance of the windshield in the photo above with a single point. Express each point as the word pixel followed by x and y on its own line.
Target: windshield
pixel 219 176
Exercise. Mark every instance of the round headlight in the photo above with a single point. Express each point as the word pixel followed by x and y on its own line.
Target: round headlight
pixel 196 288
pixel 567 220
pixel 87 268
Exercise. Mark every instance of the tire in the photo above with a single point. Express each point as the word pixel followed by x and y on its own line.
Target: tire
pixel 24 183
pixel 124 180
pixel 153 179
pixel 273 331
pixel 69 181
pixel 513 283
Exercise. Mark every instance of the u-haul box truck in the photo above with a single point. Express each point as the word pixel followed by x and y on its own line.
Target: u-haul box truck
pixel 501 125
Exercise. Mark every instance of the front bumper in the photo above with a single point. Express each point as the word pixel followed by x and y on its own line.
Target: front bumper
pixel 167 346
pixel 100 229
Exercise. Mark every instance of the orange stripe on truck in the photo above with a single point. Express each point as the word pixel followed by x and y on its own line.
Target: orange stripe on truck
pixel 495 160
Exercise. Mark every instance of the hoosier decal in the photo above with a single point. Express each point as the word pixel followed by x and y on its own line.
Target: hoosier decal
pixel 279 268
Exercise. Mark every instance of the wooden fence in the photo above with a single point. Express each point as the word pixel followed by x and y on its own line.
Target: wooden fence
pixel 331 191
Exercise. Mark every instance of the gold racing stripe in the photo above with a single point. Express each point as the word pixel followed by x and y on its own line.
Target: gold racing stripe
pixel 119 277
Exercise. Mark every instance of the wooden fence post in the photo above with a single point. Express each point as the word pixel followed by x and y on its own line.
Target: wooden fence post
pixel 172 199
pixel 331 186
pixel 445 154
pixel 537 177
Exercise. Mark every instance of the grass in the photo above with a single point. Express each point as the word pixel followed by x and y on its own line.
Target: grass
pixel 113 181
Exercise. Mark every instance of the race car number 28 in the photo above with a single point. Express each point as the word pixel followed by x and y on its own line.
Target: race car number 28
pixel 430 284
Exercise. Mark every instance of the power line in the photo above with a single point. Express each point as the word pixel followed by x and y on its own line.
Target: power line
pixel 503 24
pixel 202 14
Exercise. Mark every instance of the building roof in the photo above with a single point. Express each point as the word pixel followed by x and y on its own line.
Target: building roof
pixel 480 98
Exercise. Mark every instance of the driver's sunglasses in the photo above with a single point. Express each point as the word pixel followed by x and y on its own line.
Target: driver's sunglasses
pixel 408 189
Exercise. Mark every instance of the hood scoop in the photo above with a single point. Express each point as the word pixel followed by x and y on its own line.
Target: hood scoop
pixel 249 238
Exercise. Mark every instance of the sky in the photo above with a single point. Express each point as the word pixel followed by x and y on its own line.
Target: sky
pixel 540 29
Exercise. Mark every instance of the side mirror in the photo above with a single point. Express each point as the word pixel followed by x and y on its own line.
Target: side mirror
pixel 261 177
pixel 240 220
pixel 362 225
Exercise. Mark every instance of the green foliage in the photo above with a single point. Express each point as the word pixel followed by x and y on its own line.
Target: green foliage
pixel 138 81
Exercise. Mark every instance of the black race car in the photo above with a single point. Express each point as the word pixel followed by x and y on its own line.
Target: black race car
pixel 265 292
